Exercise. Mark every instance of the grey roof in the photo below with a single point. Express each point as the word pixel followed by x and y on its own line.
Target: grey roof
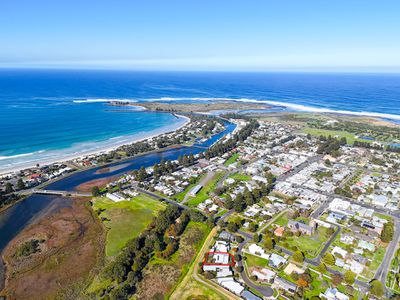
pixel 249 296
pixel 285 283
pixel 226 236
pixel 299 225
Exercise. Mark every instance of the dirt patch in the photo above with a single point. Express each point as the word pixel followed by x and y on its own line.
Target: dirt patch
pixel 87 186
pixel 111 169
pixel 73 243
pixel 158 281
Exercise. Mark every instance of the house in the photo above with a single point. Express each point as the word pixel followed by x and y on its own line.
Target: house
pixel 296 226
pixel 284 284
pixel 257 250
pixel 264 275
pixel 279 231
pixel 346 239
pixel 221 246
pixel 356 267
pixel 366 245
pixel 333 294
pixel 247 295
pixel 116 197
pixel 340 251
pixel 224 235
pixel 276 261
pixel 195 190
pixel 216 268
pixel 339 263
pixel 230 284
pixel 290 268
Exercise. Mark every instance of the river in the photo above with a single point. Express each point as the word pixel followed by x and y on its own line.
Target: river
pixel 20 215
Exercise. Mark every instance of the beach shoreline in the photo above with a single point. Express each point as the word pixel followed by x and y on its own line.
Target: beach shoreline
pixel 139 137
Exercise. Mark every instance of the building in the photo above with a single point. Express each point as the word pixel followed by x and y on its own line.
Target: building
pixel 296 226
pixel 230 284
pixel 333 294
pixel 340 251
pixel 195 190
pixel 285 285
pixel 257 250
pixel 279 231
pixel 116 197
pixel 290 268
pixel 247 295
pixel 264 275
pixel 276 261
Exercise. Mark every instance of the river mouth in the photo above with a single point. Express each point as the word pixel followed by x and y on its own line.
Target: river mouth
pixel 71 240
pixel 22 214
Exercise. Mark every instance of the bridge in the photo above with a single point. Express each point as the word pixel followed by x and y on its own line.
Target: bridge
pixel 61 193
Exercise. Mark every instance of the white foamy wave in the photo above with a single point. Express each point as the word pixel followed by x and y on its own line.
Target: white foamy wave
pixel 102 100
pixel 298 107
pixel 20 155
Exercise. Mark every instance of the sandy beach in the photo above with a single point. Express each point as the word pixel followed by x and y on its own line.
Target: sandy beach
pixel 59 156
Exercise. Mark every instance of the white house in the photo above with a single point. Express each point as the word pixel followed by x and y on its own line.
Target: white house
pixel 116 197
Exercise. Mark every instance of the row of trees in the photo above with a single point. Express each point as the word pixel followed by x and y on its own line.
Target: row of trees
pixel 223 147
pixel 247 198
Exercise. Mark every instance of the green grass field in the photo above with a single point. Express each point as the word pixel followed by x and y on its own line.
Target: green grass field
pixel 203 194
pixel 350 137
pixel 126 219
pixel 240 177
pixel 231 159
pixel 254 261
pixel 282 220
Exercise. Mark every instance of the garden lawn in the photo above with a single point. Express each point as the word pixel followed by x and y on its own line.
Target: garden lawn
pixel 203 194
pixel 255 261
pixel 231 159
pixel 240 177
pixel 309 245
pixel 126 219
pixel 282 220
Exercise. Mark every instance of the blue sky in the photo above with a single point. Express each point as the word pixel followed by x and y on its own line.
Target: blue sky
pixel 201 35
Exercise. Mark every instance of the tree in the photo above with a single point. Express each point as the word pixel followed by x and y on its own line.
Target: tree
pixel 329 259
pixel 298 256
pixel 321 268
pixel 228 203
pixel 20 184
pixel 349 277
pixel 376 288
pixel 95 191
pixel 9 188
pixel 257 238
pixel 239 239
pixel 238 204
pixel 302 283
pixel 253 227
pixel 232 227
pixel 387 232
pixel 238 257
pixel 337 279
pixel 239 269
pixel 268 243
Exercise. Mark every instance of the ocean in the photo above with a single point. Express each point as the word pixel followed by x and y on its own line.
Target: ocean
pixel 54 114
